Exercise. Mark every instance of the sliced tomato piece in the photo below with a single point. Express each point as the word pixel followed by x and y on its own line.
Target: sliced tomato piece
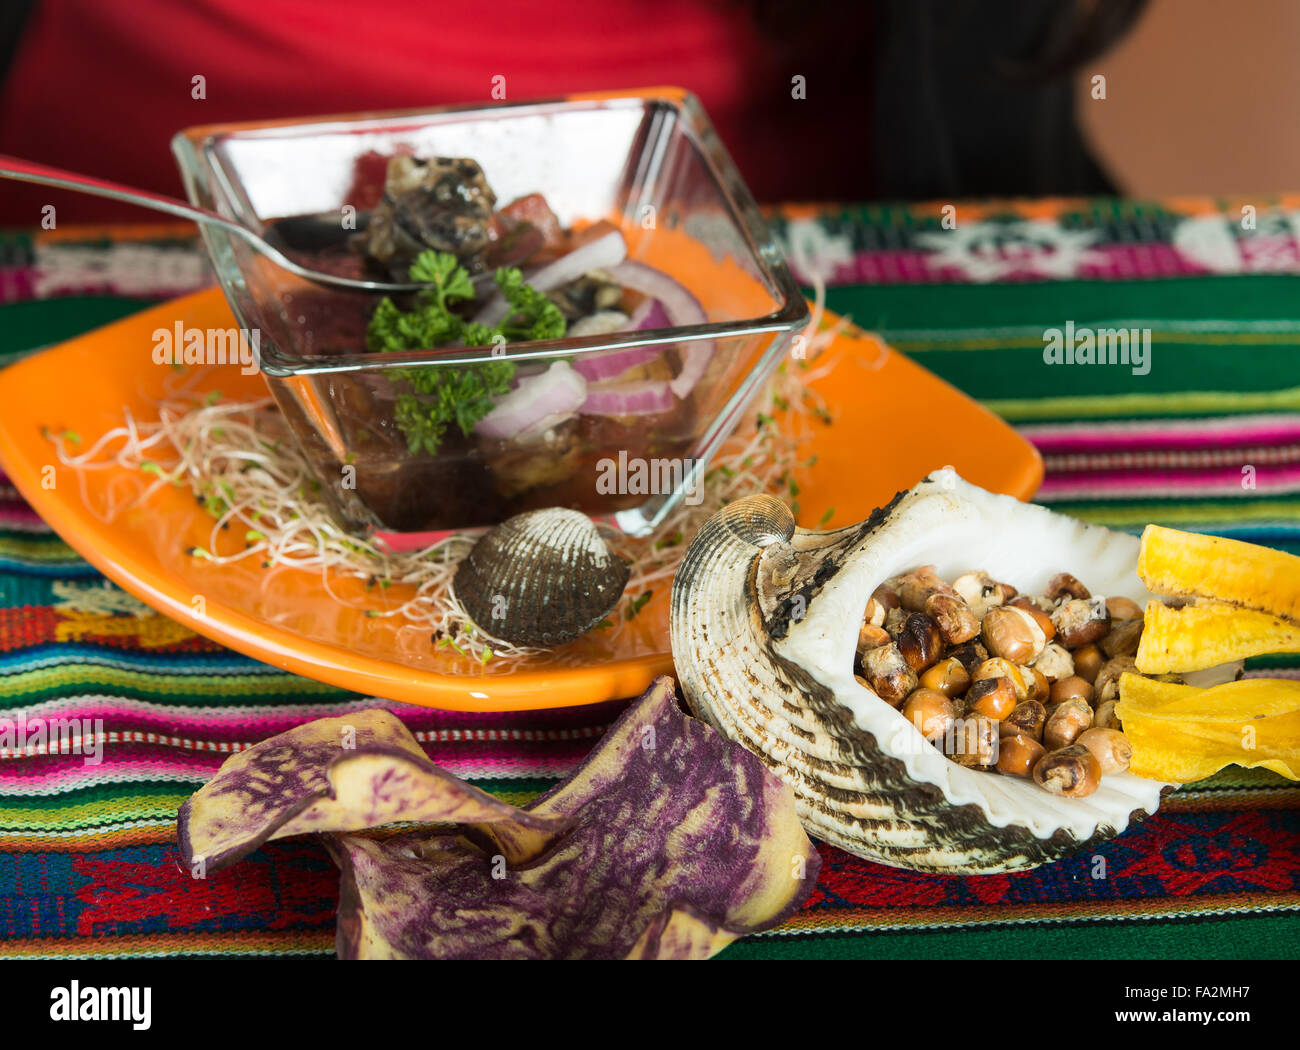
pixel 591 233
pixel 369 171
pixel 533 209
pixel 512 242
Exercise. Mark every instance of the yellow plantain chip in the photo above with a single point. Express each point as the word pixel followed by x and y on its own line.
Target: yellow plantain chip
pixel 1181 733
pixel 1208 633
pixel 1187 563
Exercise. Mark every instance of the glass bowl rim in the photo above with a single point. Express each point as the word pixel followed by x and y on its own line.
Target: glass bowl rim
pixel 193 147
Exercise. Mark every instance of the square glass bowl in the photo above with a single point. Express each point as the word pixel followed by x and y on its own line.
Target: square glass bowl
pixel 649 162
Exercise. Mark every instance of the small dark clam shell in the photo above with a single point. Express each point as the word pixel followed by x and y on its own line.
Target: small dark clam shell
pixel 542 578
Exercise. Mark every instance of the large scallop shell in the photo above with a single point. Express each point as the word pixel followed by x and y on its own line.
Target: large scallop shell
pixel 542 578
pixel 765 620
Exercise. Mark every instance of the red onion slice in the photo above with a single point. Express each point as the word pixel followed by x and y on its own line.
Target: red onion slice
pixel 608 364
pixel 602 253
pixel 682 309
pixel 558 392
pixel 646 398
pixel 650 314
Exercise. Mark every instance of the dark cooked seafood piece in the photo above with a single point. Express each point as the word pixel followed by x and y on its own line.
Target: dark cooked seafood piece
pixel 442 203
pixel 587 295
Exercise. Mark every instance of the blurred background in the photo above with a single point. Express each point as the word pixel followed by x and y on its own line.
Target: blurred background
pixel 900 99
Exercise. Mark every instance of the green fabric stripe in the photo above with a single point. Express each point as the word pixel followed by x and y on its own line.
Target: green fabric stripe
pixel 86 798
pixel 1221 379
pixel 197 690
pixel 1273 661
pixel 1120 514
pixel 1047 303
pixel 1236 777
pixel 1242 937
pixel 36 323
pixel 1246 371
pixel 527 787
pixel 37 549
pixel 128 807
pixel 111 805
pixel 1048 408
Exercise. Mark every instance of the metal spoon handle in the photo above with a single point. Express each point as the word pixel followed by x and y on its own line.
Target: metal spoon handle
pixel 46 175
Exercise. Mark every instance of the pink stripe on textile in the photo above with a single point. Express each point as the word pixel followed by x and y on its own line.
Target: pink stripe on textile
pixel 1117 262
pixel 137 763
pixel 923 265
pixel 17 283
pixel 250 725
pixel 19 515
pixel 1171 459
pixel 1180 483
pixel 148 748
pixel 129 765
pixel 1173 434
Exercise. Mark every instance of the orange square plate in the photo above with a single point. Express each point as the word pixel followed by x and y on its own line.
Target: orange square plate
pixel 283 616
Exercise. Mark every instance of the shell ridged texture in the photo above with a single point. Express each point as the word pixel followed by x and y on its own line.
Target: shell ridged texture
pixel 766 673
pixel 542 578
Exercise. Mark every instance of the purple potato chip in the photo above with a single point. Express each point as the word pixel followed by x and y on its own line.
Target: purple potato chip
pixel 677 842
pixel 340 774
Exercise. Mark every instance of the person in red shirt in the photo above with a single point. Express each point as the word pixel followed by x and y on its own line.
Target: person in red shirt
pixel 815 100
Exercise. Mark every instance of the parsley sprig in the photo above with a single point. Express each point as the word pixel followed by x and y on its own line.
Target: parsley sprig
pixel 436 397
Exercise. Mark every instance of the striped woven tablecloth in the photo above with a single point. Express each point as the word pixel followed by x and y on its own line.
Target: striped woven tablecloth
pixel 1207 438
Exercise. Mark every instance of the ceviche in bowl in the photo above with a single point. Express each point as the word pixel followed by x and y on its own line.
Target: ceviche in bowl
pixel 601 302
